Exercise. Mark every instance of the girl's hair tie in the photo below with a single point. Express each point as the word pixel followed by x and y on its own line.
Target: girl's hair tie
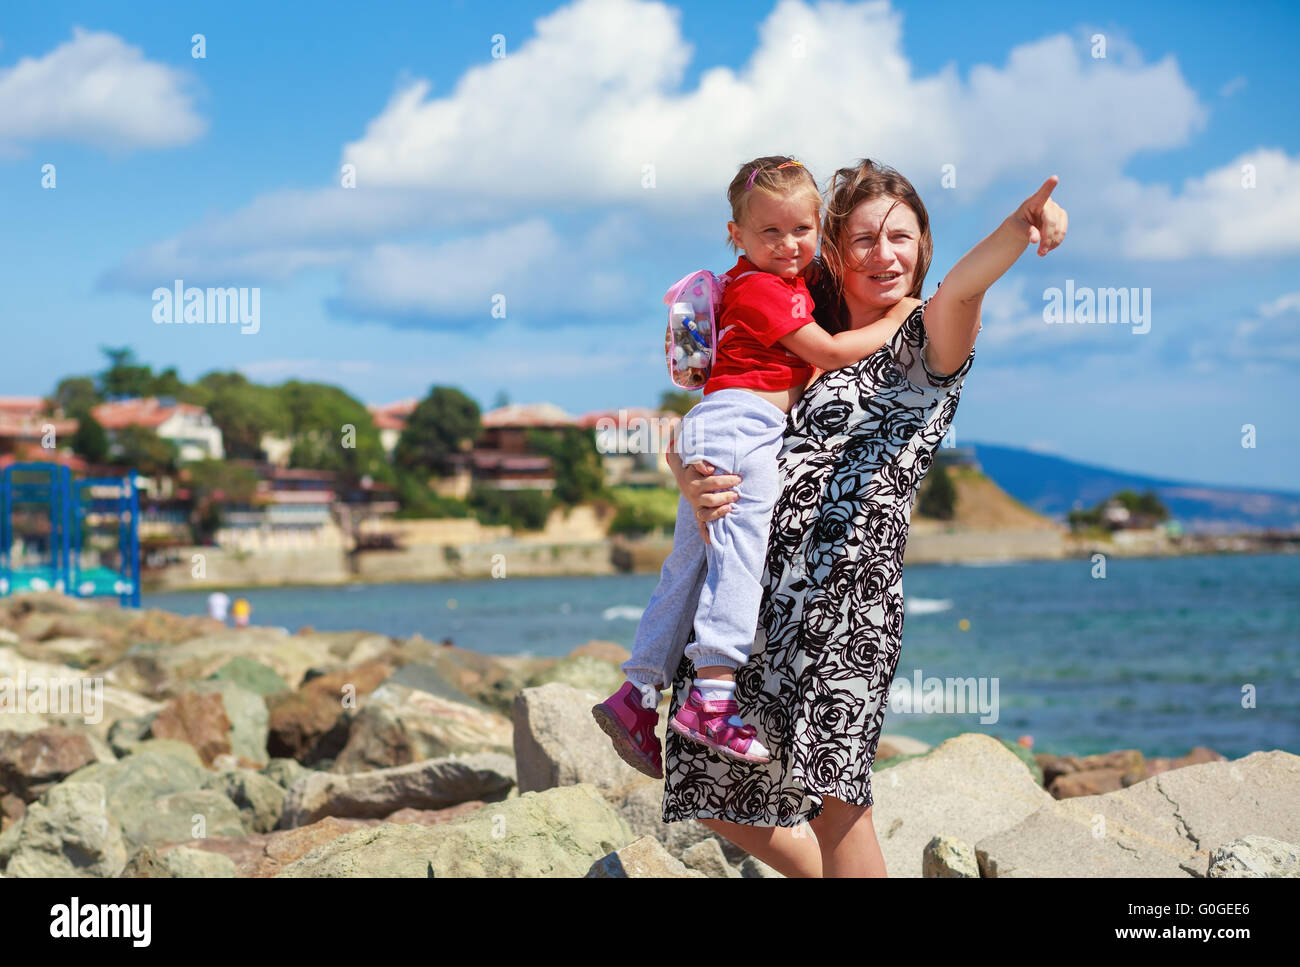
pixel 750 183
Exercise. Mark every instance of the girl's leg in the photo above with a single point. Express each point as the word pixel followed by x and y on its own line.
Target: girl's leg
pixel 848 840
pixel 791 853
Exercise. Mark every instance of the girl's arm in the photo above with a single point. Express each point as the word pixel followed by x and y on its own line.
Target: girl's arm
pixel 952 319
pixel 898 314
pixel 815 345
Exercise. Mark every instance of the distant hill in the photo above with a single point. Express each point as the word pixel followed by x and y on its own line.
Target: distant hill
pixel 1054 485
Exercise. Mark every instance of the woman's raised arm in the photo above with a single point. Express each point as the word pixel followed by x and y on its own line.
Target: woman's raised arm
pixel 952 318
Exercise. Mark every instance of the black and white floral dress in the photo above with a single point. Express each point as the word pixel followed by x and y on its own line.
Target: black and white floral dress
pixel 830 627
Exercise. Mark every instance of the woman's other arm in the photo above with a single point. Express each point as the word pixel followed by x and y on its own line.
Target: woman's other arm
pixel 952 318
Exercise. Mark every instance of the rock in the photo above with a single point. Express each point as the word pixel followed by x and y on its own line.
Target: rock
pixel 69 832
pixel 603 650
pixel 753 868
pixel 559 832
pixel 558 743
pixel 1025 756
pixel 1156 765
pixel 313 723
pixel 157 671
pixel 431 784
pixel 1254 856
pixel 183 862
pixel 968 787
pixel 1163 826
pixel 284 772
pixel 155 796
pixel 1089 782
pixel 494 680
pixel 645 857
pixel 250 675
pixel 707 857
pixel 125 735
pixel 248 717
pixel 397 725
pixel 949 858
pixel 892 744
pixel 1125 762
pixel 33 762
pixel 259 799
pixel 101 703
pixel 640 802
pixel 12 809
pixel 425 677
pixel 198 720
pixel 601 678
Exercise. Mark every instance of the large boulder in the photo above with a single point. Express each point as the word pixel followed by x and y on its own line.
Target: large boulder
pixel 1254 856
pixel 160 671
pixel 585 672
pixel 33 762
pixel 643 858
pixel 968 787
pixel 1163 826
pixel 560 832
pixel 397 725
pixel 259 799
pixel 155 795
pixel 70 832
pixel 312 723
pixel 432 784
pixel 91 703
pixel 183 862
pixel 252 676
pixel 558 743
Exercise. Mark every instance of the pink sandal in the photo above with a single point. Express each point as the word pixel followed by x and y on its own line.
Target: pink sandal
pixel 631 727
pixel 706 723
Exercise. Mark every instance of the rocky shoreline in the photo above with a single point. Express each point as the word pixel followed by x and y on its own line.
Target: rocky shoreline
pixel 218 752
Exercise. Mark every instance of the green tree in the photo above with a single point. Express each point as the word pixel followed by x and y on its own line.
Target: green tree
pixel 437 428
pixel 142 448
pixel 125 376
pixel 677 401
pixel 575 462
pixel 90 441
pixel 76 394
pixel 214 484
pixel 319 418
pixel 938 495
pixel 244 411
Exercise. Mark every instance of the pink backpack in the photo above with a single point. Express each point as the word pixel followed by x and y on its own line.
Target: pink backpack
pixel 691 341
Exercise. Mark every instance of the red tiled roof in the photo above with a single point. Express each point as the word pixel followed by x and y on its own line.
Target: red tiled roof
pixel 145 411
pixel 527 414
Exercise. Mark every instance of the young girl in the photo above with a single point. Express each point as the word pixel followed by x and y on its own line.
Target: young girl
pixel 766 351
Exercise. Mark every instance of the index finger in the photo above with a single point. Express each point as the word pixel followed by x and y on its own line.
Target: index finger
pixel 1039 198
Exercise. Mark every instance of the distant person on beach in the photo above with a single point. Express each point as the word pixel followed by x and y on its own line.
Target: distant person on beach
pixel 241 611
pixel 218 602
pixel 856 448
pixel 767 347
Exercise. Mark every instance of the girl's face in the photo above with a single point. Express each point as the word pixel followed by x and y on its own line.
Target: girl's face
pixel 879 278
pixel 778 234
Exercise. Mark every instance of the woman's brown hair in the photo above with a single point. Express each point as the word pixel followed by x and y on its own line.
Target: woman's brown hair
pixel 849 188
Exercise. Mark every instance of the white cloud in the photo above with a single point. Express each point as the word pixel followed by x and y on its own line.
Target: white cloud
pixel 96 89
pixel 533 268
pixel 1218 214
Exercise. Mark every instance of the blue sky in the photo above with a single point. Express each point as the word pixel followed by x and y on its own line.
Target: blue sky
pixel 522 175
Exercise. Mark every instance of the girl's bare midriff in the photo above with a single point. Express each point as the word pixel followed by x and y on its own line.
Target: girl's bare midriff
pixel 784 399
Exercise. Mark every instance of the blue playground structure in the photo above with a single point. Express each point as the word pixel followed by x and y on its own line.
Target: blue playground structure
pixel 58 516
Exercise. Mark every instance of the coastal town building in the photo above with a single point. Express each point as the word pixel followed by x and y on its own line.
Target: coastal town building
pixel 188 426
pixel 26 425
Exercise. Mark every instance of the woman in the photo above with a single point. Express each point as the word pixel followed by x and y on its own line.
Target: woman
pixel 856 448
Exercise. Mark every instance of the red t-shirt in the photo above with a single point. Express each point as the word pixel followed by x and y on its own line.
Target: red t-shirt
pixel 760 309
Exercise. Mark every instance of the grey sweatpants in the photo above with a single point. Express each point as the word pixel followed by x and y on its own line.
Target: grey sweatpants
pixel 715 586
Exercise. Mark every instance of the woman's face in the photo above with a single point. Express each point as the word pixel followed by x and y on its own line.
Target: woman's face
pixel 879 278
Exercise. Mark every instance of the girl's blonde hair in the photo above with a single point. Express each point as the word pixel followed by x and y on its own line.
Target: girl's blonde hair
pixel 775 175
